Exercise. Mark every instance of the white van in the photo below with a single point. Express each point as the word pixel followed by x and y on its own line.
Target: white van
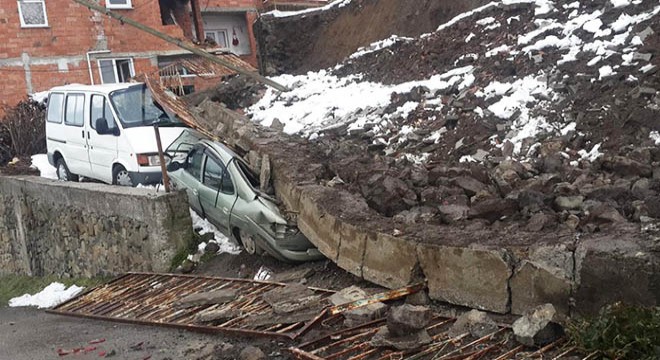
pixel 106 132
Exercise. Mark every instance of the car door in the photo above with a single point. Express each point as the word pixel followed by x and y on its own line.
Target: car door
pixel 76 154
pixel 102 147
pixel 190 178
pixel 217 194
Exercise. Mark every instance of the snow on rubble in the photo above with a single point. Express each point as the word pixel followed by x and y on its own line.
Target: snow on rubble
pixel 332 4
pixel 576 32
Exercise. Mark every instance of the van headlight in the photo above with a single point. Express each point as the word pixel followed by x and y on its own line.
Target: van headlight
pixel 151 159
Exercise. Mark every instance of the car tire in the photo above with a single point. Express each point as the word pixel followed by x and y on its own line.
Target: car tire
pixel 120 176
pixel 249 243
pixel 63 172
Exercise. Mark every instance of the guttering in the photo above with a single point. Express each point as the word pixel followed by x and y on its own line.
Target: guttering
pixel 89 62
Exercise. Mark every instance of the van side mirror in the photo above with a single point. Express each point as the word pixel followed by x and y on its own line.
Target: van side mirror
pixel 102 128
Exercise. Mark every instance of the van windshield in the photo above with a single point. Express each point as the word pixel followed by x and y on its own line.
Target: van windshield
pixel 136 107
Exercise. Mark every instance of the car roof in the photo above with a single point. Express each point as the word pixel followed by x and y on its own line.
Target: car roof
pixel 102 88
pixel 223 150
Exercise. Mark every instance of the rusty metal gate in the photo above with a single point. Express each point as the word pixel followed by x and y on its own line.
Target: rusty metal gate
pixel 150 299
pixel 355 344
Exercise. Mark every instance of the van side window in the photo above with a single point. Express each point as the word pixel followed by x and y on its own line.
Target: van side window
pixel 75 105
pixel 194 163
pixel 101 110
pixel 55 102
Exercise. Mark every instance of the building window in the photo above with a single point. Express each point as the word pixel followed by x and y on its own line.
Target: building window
pixel 218 36
pixel 118 4
pixel 116 70
pixel 32 13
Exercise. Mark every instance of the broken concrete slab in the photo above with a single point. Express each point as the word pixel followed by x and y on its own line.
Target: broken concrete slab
pixel 475 322
pixel 320 227
pixel 293 275
pixel 406 319
pixel 538 327
pixel 292 298
pixel 611 269
pixel 352 247
pixel 384 263
pixel 384 338
pixel 207 298
pixel 217 315
pixel 471 277
pixel 533 284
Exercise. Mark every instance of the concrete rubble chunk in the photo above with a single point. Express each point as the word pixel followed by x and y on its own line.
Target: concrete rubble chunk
pixel 538 327
pixel 359 315
pixel 293 275
pixel 222 314
pixel 470 185
pixel 569 202
pixel 405 319
pixel 252 353
pixel 475 322
pixel 534 284
pixel 645 33
pixel 292 298
pixel 264 174
pixel 420 298
pixel 415 340
pixel 207 298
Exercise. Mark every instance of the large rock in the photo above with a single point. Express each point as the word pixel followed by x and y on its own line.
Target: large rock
pixel 538 327
pixel 476 278
pixel 405 319
pixel 624 166
pixel 615 267
pixel 493 209
pixel 475 322
pixel 470 185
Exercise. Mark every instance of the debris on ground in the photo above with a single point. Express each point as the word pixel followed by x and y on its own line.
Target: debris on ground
pixel 252 353
pixel 476 323
pixel 538 327
pixel 361 314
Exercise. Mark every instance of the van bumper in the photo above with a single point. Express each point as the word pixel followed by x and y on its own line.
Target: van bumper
pixel 146 178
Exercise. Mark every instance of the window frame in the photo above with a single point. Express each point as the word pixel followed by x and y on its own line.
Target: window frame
pixel 43 7
pixel 129 5
pixel 225 171
pixel 106 106
pixel 216 34
pixel 60 118
pixel 202 165
pixel 131 65
pixel 66 106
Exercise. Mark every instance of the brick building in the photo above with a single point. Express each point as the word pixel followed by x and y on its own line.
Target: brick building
pixel 55 42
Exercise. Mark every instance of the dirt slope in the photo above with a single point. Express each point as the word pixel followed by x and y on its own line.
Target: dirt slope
pixel 319 40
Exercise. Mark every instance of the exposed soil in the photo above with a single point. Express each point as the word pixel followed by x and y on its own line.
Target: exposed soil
pixel 320 40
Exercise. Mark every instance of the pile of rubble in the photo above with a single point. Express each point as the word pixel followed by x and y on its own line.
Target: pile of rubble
pixel 532 115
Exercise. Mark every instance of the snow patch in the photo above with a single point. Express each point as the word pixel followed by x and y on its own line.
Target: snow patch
pixel 52 295
pixel 336 3
pixel 203 227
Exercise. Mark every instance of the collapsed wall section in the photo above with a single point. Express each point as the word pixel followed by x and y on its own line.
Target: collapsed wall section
pixel 484 269
pixel 83 229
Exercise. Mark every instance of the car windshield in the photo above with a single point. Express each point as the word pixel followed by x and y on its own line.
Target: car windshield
pixel 136 107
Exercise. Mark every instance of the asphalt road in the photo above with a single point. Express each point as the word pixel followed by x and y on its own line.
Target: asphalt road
pixel 32 334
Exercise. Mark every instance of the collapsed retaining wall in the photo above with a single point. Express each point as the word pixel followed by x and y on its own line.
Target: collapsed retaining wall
pixel 479 268
pixel 85 229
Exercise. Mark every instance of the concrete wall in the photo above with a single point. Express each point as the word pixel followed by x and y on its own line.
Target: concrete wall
pixel 483 269
pixel 84 229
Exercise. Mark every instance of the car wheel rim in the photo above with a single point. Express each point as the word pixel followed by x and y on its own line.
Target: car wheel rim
pixel 124 179
pixel 248 243
pixel 61 173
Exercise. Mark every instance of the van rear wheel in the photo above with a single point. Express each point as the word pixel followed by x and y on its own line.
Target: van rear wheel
pixel 63 172
pixel 120 176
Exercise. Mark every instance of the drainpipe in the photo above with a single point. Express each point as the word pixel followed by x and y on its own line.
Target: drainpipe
pixel 89 62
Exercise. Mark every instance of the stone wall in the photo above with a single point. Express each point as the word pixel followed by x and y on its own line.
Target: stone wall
pixel 483 269
pixel 87 229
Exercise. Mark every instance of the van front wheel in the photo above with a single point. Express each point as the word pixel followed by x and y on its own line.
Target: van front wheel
pixel 120 176
pixel 63 172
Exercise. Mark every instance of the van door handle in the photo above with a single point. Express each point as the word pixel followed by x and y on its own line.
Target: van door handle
pixel 83 134
pixel 88 135
pixel 195 192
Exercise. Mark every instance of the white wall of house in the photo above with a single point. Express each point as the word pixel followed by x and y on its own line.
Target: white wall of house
pixel 230 30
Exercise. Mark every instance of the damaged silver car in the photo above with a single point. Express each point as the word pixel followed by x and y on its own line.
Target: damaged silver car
pixel 222 188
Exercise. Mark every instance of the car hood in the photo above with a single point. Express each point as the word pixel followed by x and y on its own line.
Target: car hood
pixel 143 138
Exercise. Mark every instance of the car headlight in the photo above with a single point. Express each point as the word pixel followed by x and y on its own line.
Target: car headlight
pixel 151 159
pixel 283 230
